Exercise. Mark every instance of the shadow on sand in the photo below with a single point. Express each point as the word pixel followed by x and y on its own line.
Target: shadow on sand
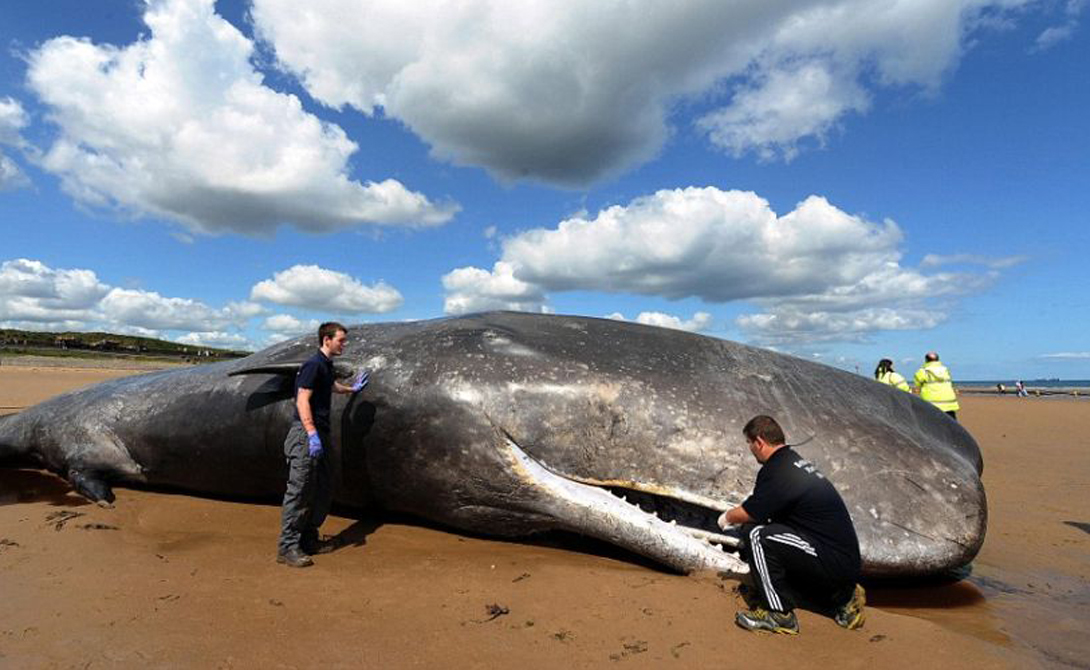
pixel 23 486
pixel 925 594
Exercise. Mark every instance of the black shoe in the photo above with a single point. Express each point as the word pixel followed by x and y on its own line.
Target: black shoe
pixel 294 558
pixel 851 615
pixel 773 622
pixel 319 546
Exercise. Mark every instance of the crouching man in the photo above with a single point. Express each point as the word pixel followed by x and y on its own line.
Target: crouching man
pixel 798 538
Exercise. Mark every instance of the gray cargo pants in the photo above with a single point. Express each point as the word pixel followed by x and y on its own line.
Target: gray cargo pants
pixel 309 493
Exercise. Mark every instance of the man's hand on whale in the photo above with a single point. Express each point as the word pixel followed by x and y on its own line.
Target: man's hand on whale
pixel 361 381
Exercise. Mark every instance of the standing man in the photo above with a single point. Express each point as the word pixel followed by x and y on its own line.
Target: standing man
pixel 310 467
pixel 798 538
pixel 936 386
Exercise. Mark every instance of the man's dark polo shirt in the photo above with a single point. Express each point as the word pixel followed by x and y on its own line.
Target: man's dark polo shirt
pixel 316 374
pixel 791 491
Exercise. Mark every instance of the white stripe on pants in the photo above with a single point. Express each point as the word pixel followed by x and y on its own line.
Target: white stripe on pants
pixel 762 569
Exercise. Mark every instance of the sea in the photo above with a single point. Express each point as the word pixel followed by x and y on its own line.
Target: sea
pixel 1030 383
pixel 1037 387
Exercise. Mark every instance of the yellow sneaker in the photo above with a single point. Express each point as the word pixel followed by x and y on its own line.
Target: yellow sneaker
pixel 773 622
pixel 851 615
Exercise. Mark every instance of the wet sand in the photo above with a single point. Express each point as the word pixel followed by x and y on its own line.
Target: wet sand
pixel 170 580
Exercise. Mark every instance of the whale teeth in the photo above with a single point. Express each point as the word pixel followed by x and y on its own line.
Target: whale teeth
pixel 718 546
pixel 673 522
pixel 624 498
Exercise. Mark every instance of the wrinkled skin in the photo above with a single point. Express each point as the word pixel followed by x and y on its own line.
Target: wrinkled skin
pixel 510 424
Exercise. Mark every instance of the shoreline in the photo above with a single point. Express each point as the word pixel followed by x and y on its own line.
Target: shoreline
pixel 1073 392
pixel 89 363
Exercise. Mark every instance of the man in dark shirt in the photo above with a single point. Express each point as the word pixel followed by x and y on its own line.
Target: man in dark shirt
pixel 798 538
pixel 309 493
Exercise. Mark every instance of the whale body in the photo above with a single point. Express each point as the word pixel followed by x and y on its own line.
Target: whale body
pixel 511 424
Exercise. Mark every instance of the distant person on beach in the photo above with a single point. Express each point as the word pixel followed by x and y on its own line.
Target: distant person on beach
pixel 885 374
pixel 309 491
pixel 936 386
pixel 1021 389
pixel 1000 387
pixel 798 539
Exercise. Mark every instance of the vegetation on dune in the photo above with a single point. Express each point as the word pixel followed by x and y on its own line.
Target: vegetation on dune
pixel 106 345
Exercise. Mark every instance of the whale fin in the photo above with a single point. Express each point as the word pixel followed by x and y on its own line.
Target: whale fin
pixel 285 369
pixel 91 486
pixel 93 458
pixel 288 370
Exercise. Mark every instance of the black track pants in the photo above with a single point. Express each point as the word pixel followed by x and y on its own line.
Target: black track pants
pixel 787 572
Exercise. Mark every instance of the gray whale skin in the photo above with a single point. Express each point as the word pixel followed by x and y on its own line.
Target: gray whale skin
pixel 510 424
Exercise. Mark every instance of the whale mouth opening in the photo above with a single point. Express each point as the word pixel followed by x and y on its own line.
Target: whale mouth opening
pixel 670 531
pixel 698 520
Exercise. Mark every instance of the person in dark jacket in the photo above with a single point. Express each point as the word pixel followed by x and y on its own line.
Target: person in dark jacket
pixel 309 492
pixel 798 538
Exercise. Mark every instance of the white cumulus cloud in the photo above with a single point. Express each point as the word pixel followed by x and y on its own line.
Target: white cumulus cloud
pixel 11 175
pixel 13 118
pixel 287 324
pixel 1057 34
pixel 707 243
pixel 180 125
pixel 787 325
pixel 319 289
pixel 148 309
pixel 770 115
pixel 700 321
pixel 32 292
pixel 34 296
pixel 216 339
pixel 472 289
pixel 1068 356
pixel 817 272
pixel 570 92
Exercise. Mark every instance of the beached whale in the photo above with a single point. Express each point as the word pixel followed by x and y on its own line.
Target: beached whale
pixel 511 423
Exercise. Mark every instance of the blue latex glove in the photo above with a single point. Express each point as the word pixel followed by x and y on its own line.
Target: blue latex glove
pixel 361 381
pixel 314 445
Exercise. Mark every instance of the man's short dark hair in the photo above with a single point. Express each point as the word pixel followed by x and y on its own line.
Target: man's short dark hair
pixel 329 329
pixel 766 428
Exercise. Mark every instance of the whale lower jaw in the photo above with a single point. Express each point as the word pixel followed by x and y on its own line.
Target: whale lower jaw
pixel 592 509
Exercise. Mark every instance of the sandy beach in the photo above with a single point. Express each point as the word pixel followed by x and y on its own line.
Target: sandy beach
pixel 167 580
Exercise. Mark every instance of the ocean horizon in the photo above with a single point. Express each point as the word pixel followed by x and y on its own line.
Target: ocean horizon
pixel 1030 383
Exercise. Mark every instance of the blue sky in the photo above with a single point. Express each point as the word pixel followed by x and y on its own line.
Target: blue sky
pixel 840 180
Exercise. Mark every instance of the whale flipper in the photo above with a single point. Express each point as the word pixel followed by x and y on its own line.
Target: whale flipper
pixel 91 486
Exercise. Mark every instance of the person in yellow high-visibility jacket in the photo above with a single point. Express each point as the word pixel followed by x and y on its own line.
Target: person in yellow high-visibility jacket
pixel 885 374
pixel 935 385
